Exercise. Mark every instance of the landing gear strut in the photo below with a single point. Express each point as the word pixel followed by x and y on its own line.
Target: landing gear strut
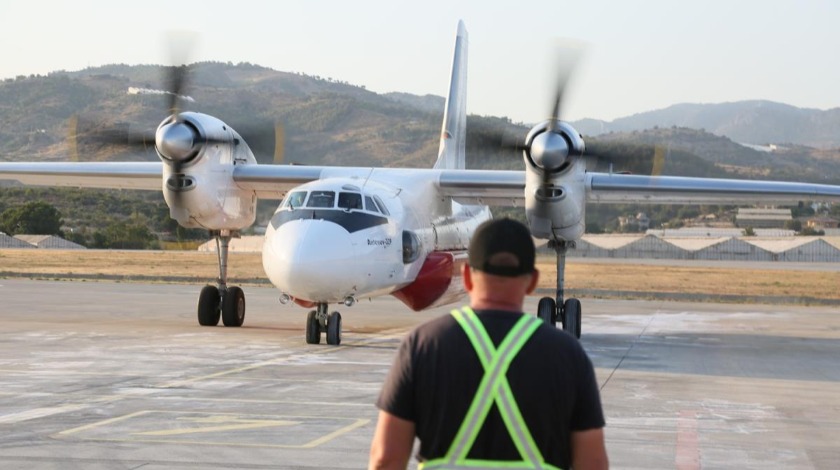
pixel 221 301
pixel 318 321
pixel 551 310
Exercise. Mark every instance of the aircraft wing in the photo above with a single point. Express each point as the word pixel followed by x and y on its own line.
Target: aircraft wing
pixel 619 188
pixel 507 188
pixel 490 187
pixel 115 175
pixel 269 181
pixel 272 181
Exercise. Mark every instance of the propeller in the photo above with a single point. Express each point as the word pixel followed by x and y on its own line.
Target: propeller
pixel 552 144
pixel 178 139
pixel 646 159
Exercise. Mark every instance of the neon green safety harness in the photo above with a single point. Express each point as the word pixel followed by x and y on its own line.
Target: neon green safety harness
pixel 494 388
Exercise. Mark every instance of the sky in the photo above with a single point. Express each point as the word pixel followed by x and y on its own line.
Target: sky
pixel 638 55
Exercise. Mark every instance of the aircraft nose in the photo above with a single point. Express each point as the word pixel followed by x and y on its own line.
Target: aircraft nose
pixel 311 259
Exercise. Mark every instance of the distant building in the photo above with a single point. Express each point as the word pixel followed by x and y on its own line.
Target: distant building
pixel 49 242
pixel 12 242
pixel 798 249
pixel 822 223
pixel 762 218
pixel 639 223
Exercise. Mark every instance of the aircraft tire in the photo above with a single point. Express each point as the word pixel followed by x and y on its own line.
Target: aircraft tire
pixel 547 311
pixel 233 307
pixel 313 328
pixel 334 329
pixel 572 313
pixel 208 306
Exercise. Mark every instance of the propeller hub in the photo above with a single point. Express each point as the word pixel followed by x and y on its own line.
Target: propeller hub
pixel 549 150
pixel 176 141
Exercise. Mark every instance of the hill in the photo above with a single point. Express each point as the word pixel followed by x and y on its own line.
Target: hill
pixel 330 122
pixel 754 122
pixel 781 162
pixel 325 121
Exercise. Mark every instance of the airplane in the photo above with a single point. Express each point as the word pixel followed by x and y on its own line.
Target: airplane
pixel 346 233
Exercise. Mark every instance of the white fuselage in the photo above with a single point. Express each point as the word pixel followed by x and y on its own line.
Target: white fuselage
pixel 362 236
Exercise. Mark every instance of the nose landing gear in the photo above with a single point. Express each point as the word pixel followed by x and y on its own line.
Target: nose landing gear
pixel 318 321
pixel 551 310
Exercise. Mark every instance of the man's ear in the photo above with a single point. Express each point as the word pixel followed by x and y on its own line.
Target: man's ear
pixel 535 278
pixel 466 275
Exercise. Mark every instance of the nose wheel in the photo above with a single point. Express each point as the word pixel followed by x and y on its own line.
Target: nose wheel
pixel 318 321
pixel 551 310
pixel 221 301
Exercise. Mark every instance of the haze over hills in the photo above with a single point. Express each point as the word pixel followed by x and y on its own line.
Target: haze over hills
pixel 330 122
pixel 754 122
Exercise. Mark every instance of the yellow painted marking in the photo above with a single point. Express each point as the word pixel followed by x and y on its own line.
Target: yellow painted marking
pixel 181 383
pixel 385 335
pixel 322 440
pixel 36 413
pixel 223 423
pixel 103 423
pixel 229 418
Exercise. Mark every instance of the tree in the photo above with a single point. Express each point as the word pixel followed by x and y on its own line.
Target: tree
pixel 793 224
pixel 33 218
pixel 121 235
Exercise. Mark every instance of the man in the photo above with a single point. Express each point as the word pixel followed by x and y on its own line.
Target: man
pixel 487 384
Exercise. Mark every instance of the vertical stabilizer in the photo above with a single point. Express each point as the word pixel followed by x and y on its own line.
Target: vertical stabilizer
pixel 453 134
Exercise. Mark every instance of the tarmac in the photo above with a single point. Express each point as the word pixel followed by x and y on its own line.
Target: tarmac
pixel 105 375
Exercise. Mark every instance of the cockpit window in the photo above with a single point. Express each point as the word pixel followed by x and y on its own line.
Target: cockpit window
pixel 295 199
pixel 370 205
pixel 350 201
pixel 321 199
pixel 381 205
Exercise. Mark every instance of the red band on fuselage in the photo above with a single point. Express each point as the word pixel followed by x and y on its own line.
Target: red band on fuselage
pixel 437 283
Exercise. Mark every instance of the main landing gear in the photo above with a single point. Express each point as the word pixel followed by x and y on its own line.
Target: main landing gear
pixel 227 302
pixel 318 320
pixel 568 312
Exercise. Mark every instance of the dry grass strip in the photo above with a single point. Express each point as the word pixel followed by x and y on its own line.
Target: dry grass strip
pixel 580 274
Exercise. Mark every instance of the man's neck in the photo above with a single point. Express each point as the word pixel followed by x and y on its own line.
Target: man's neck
pixel 493 304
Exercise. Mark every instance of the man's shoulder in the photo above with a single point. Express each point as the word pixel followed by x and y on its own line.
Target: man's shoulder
pixel 434 330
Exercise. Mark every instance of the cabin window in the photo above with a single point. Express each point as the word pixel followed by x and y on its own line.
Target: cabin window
pixel 295 199
pixel 350 201
pixel 321 199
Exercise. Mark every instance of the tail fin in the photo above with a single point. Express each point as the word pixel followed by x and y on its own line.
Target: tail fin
pixel 453 134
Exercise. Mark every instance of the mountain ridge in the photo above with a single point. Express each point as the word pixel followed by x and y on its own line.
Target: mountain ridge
pixel 749 121
pixel 331 122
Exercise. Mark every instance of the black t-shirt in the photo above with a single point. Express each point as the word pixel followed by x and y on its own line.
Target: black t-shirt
pixel 436 374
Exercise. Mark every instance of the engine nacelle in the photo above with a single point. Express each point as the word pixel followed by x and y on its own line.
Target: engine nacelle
pixel 555 174
pixel 199 154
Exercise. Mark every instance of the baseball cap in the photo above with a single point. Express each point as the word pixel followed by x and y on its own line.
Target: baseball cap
pixel 502 236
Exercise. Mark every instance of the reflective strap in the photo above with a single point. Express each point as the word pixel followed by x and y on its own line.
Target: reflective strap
pixel 439 464
pixel 494 387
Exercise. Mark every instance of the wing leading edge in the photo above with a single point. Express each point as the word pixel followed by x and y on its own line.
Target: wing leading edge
pixel 114 175
pixel 491 187
pixel 616 188
pixel 507 188
pixel 267 181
